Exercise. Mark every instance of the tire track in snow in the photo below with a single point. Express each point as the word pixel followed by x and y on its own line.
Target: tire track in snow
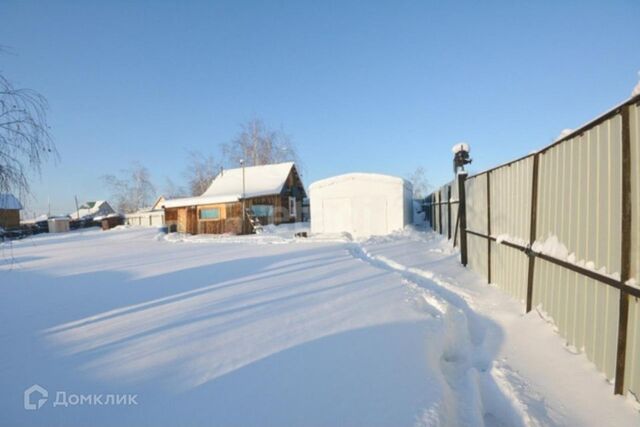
pixel 464 355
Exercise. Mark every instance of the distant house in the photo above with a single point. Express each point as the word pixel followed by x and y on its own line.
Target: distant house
pixel 91 210
pixel 10 208
pixel 272 194
pixel 148 217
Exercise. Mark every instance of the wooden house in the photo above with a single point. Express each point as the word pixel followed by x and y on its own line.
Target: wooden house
pixel 9 211
pixel 91 210
pixel 270 194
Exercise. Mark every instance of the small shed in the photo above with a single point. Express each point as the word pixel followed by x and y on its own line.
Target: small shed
pixel 10 208
pixel 58 224
pixel 110 221
pixel 361 204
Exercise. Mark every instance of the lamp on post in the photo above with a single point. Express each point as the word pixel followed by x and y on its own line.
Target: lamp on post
pixel 460 158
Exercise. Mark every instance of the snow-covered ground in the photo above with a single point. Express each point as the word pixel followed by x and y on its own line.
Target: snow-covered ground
pixel 276 330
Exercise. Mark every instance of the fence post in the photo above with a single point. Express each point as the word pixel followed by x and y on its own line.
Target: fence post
pixel 532 229
pixel 489 227
pixel 625 267
pixel 449 211
pixel 440 211
pixel 462 212
pixel 433 211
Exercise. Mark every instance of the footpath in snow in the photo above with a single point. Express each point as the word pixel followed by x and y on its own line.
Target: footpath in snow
pixel 273 330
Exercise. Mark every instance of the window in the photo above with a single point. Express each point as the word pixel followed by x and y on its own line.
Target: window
pixel 210 213
pixel 292 206
pixel 262 210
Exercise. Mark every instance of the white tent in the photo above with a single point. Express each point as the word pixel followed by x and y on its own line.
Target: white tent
pixel 361 204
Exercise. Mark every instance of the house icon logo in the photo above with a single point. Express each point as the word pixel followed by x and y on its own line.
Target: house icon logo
pixel 36 394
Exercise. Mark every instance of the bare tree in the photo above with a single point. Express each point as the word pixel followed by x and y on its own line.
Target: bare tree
pixel 200 171
pixel 256 144
pixel 420 183
pixel 132 190
pixel 173 190
pixel 25 142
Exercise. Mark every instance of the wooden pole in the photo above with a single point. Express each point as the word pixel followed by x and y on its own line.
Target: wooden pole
pixel 488 227
pixel 532 229
pixel 625 267
pixel 462 212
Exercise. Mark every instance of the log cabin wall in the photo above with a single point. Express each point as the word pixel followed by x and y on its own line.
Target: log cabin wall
pixel 228 221
pixel 9 218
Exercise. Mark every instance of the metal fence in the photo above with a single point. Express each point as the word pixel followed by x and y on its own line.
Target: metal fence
pixel 559 229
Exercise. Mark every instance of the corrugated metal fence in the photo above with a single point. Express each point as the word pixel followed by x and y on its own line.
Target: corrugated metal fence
pixel 560 229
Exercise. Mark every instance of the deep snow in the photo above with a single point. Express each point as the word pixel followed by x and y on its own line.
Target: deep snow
pixel 274 330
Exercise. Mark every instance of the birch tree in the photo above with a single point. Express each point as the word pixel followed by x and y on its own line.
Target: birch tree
pixel 419 182
pixel 257 144
pixel 25 141
pixel 200 171
pixel 132 190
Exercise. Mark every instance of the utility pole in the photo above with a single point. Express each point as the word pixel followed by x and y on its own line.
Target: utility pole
pixel 77 209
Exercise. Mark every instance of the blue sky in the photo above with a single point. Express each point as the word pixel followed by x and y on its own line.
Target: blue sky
pixel 361 86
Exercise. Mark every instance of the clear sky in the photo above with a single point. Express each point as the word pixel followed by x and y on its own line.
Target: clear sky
pixel 365 86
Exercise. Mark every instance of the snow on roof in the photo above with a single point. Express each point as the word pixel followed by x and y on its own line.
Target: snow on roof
pixel 359 176
pixel 259 180
pixel 91 209
pixel 9 201
pixel 226 187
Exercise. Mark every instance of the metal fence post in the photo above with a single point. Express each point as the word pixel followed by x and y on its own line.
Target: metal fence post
pixel 440 212
pixel 462 212
pixel 489 226
pixel 532 229
pixel 449 212
pixel 625 267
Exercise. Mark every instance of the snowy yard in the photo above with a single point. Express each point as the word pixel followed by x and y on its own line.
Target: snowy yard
pixel 271 330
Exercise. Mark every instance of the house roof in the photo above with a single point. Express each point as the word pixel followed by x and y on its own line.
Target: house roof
pixel 91 209
pixel 158 203
pixel 357 176
pixel 259 180
pixel 9 201
pixel 226 187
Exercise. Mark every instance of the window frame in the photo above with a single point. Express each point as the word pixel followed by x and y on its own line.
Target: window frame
pixel 200 218
pixel 292 212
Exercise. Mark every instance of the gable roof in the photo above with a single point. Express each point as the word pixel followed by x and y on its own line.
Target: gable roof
pixel 261 180
pixel 91 209
pixel 226 187
pixel 9 201
pixel 158 204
